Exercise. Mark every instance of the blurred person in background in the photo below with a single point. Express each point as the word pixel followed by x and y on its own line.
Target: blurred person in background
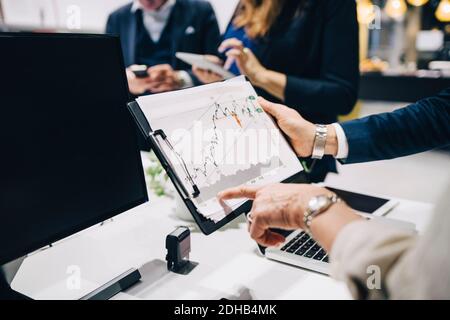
pixel 303 53
pixel 152 31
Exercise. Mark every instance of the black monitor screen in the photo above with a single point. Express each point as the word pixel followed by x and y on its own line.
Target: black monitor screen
pixel 69 156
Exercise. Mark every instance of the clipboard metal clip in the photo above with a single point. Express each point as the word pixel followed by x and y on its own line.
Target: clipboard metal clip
pixel 196 190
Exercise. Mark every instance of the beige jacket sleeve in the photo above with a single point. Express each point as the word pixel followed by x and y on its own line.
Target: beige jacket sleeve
pixel 379 261
pixel 365 253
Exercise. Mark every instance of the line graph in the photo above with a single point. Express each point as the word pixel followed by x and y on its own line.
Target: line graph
pixel 243 113
pixel 222 111
pixel 212 174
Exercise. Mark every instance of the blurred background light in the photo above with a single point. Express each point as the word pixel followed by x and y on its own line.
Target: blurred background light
pixel 396 9
pixel 443 11
pixel 366 11
pixel 417 3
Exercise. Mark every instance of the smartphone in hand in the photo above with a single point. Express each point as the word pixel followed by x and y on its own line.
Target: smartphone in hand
pixel 140 71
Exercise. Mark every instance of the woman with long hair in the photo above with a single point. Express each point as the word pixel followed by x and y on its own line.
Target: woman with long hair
pixel 303 53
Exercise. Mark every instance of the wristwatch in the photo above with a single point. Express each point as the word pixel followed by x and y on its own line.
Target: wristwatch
pixel 316 206
pixel 320 141
pixel 180 79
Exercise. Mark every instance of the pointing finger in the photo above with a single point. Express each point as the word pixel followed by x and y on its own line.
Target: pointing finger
pixel 239 193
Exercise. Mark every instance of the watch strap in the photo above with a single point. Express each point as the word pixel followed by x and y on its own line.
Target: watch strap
pixel 320 141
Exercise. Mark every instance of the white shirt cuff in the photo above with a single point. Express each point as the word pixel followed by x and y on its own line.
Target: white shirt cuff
pixel 187 80
pixel 342 142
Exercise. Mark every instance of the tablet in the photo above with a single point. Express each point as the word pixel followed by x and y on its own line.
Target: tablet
pixel 211 138
pixel 202 62
pixel 365 204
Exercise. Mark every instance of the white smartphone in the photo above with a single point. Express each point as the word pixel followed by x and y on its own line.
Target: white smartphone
pixel 202 62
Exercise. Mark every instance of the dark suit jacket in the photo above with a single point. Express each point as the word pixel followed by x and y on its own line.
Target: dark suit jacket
pixel 196 30
pixel 419 127
pixel 318 50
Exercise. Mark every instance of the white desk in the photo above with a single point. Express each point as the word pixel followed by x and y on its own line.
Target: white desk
pixel 230 266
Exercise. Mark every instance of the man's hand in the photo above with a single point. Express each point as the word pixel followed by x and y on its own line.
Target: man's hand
pixel 138 86
pixel 300 132
pixel 163 78
pixel 276 206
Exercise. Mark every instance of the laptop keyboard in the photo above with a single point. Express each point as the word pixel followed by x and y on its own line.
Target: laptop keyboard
pixel 303 245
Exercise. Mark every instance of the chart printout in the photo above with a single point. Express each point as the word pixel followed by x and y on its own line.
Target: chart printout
pixel 225 139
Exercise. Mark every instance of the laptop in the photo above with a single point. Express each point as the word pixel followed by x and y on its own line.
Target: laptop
pixel 301 250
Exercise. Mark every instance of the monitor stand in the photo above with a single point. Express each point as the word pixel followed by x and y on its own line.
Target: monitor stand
pixel 8 272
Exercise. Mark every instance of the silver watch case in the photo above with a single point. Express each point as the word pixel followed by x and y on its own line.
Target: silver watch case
pixel 318 205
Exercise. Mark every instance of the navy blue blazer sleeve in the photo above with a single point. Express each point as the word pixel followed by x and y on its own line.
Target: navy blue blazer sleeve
pixel 339 75
pixel 419 127
pixel 111 25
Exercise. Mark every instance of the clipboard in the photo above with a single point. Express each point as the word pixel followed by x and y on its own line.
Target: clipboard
pixel 155 139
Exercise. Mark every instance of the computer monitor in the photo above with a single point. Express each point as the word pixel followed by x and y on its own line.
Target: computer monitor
pixel 69 157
